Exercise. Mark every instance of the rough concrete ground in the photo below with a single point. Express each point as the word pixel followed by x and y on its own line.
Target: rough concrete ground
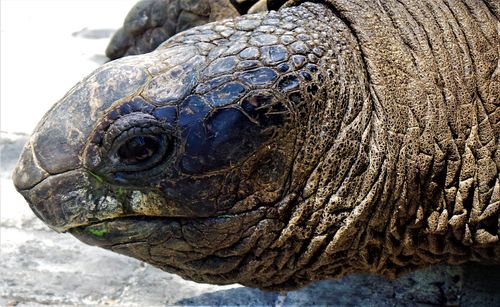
pixel 46 47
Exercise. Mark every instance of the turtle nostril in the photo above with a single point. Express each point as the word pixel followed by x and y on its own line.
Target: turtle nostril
pixel 28 173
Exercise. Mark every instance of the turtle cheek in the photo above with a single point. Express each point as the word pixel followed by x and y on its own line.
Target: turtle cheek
pixel 194 197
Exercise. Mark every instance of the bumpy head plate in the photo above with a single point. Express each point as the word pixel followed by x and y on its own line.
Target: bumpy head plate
pixel 188 157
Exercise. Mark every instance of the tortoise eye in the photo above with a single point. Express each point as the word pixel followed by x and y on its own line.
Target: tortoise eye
pixel 135 147
pixel 138 149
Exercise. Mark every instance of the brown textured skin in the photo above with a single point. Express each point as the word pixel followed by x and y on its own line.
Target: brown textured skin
pixel 434 83
pixel 390 164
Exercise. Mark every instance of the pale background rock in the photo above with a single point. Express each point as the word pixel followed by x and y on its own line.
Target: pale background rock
pixel 48 46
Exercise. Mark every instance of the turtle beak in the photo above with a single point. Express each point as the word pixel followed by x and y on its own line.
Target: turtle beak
pixel 59 191
pixel 28 171
pixel 53 149
pixel 50 177
pixel 49 172
pixel 46 171
pixel 64 201
pixel 53 185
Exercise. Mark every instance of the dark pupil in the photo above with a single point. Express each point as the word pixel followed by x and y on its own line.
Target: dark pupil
pixel 138 149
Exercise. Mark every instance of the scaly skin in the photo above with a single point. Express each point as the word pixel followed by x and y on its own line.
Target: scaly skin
pixel 151 22
pixel 285 147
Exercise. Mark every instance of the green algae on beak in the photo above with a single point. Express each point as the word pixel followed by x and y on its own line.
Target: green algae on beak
pixel 98 230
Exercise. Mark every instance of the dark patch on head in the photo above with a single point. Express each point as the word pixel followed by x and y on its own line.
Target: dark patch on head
pixel 295 97
pixel 312 88
pixel 192 110
pixel 224 138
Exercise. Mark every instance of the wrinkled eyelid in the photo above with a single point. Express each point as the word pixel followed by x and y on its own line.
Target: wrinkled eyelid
pixel 126 135
pixel 128 123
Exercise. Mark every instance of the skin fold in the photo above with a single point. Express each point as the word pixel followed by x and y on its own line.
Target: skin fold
pixel 283 147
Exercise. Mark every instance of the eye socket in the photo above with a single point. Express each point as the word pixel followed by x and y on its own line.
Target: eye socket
pixel 138 149
pixel 139 153
pixel 133 148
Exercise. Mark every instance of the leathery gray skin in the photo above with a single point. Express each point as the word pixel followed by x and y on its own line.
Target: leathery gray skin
pixel 285 147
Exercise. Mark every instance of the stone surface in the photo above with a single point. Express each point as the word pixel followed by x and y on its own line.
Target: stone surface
pixel 40 267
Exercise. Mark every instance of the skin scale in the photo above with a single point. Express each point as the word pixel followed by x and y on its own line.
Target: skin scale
pixel 285 147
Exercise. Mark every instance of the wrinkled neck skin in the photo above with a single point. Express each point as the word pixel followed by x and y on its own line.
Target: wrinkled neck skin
pixel 430 193
pixel 433 78
pixel 425 189
pixel 370 170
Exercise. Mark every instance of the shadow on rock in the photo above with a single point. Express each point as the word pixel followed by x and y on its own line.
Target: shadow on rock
pixel 232 297
pixel 481 286
pixel 434 286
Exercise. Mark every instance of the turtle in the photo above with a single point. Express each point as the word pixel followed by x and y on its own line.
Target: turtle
pixel 276 143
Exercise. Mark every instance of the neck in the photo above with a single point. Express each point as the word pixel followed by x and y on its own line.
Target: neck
pixel 340 160
pixel 432 97
pixel 397 182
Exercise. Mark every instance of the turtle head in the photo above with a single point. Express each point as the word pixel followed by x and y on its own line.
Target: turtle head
pixel 162 135
pixel 170 157
pixel 190 157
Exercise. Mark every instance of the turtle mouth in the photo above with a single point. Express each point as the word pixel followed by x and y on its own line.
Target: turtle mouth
pixel 122 230
pixel 159 241
pixel 197 248
pixel 126 228
pixel 77 198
